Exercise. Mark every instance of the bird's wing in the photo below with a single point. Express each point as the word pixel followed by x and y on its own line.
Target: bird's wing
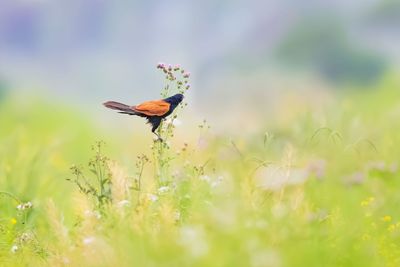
pixel 153 108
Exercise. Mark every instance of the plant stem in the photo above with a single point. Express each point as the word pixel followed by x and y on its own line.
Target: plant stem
pixel 11 196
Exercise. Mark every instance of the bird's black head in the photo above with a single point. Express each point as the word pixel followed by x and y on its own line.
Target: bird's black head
pixel 175 99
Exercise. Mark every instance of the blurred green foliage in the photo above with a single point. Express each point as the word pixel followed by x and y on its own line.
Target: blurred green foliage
pixel 320 188
pixel 324 47
pixel 3 90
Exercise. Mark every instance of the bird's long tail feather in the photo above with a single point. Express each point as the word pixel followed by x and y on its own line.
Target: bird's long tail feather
pixel 119 106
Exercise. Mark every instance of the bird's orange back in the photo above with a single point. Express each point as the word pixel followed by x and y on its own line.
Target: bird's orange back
pixel 153 108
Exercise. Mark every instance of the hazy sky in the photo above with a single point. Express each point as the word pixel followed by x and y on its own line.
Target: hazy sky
pixel 95 48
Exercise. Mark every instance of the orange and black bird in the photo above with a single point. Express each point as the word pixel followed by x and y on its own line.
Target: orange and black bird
pixel 154 111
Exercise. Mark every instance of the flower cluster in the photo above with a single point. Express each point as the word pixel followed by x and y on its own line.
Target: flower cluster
pixel 25 206
pixel 172 73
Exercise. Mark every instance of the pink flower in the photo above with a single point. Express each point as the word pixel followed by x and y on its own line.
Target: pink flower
pixel 186 75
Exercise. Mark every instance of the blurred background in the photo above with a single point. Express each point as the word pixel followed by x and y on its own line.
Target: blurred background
pixel 300 165
pixel 239 52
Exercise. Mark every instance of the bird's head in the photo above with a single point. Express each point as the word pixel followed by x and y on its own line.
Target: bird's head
pixel 175 99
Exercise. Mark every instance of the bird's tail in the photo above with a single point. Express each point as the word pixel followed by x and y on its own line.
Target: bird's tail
pixel 119 106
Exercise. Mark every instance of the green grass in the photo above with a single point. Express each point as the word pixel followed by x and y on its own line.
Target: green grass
pixel 320 188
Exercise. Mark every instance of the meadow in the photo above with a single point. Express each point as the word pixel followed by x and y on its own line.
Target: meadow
pixel 308 188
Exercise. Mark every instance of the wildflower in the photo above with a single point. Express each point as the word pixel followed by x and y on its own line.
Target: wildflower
pixel 24 206
pixel 186 75
pixel 171 77
pixel 163 189
pixel 88 240
pixel 187 87
pixel 152 198
pixel 205 178
pixel 87 213
pixel 13 221
pixel 14 248
pixel 177 67
pixel 387 218
pixel 25 237
pixel 160 65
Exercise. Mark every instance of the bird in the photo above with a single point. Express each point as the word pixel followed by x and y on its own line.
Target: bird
pixel 154 111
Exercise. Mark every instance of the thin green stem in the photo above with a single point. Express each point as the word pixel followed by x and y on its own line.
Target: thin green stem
pixel 11 196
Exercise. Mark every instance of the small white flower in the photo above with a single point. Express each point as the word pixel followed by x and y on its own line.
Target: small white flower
pixel 24 237
pixel 24 206
pixel 163 189
pixel 123 203
pixel 205 178
pixel 14 248
pixel 152 198
pixel 88 213
pixel 28 205
pixel 88 240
